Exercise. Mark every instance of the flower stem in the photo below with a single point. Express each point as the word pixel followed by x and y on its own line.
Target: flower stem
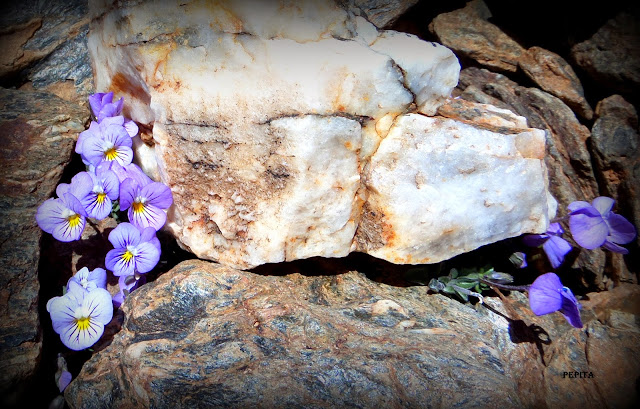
pixel 505 286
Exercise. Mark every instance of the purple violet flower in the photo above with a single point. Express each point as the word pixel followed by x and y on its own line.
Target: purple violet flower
pixel 132 171
pixel 145 203
pixel 79 316
pixel 90 280
pixel 96 190
pixel 127 284
pixel 547 295
pixel 554 246
pixel 111 144
pixel 103 108
pixel 64 380
pixel 64 218
pixel 594 225
pixel 134 251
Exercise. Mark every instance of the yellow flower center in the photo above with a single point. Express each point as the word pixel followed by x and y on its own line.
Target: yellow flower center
pixel 111 154
pixel 74 220
pixel 101 197
pixel 83 323
pixel 127 256
pixel 138 207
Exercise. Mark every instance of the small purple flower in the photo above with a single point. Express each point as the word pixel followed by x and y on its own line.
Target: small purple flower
pixel 132 171
pixel 103 108
pixel 96 191
pixel 145 203
pixel 64 218
pixel 134 251
pixel 64 380
pixel 90 280
pixel 79 316
pixel 127 284
pixel 111 144
pixel 594 225
pixel 547 295
pixel 554 246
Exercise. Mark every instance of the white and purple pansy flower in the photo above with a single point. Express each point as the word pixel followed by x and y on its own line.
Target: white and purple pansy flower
pixel 594 225
pixel 547 295
pixel 134 251
pixel 103 107
pixel 64 218
pixel 113 144
pixel 132 171
pixel 90 280
pixel 79 316
pixel 97 190
pixel 146 203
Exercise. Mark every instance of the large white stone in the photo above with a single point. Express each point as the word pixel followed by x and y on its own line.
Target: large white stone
pixel 439 187
pixel 273 136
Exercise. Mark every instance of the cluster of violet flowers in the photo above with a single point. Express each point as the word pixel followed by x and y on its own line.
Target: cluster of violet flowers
pixel 110 182
pixel 592 225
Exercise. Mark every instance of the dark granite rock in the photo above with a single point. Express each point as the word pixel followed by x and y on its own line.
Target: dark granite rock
pixel 381 13
pixel 615 146
pixel 611 57
pixel 38 133
pixel 204 335
pixel 44 44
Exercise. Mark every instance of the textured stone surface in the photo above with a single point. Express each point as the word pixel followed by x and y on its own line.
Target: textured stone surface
pixel 555 76
pixel 208 335
pixel 381 12
pixel 267 134
pixel 438 185
pixel 38 133
pixel 569 163
pixel 612 55
pixel 615 145
pixel 468 33
pixel 44 43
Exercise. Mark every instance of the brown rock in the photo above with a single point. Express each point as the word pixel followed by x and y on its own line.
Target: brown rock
pixel 468 33
pixel 38 133
pixel 615 145
pixel 612 55
pixel 555 76
pixel 208 335
pixel 568 161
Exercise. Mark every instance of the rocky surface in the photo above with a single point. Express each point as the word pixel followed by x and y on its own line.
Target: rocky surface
pixel 612 55
pixel 555 76
pixel 43 46
pixel 38 132
pixel 380 13
pixel 568 160
pixel 470 35
pixel 205 334
pixel 615 145
pixel 280 142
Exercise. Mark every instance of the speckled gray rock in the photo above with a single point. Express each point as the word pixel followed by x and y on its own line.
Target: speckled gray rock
pixel 44 43
pixel 38 133
pixel 612 55
pixel 204 335
pixel 381 13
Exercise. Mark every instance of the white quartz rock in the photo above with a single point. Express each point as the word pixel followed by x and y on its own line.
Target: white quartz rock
pixel 439 187
pixel 284 141
pixel 431 70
